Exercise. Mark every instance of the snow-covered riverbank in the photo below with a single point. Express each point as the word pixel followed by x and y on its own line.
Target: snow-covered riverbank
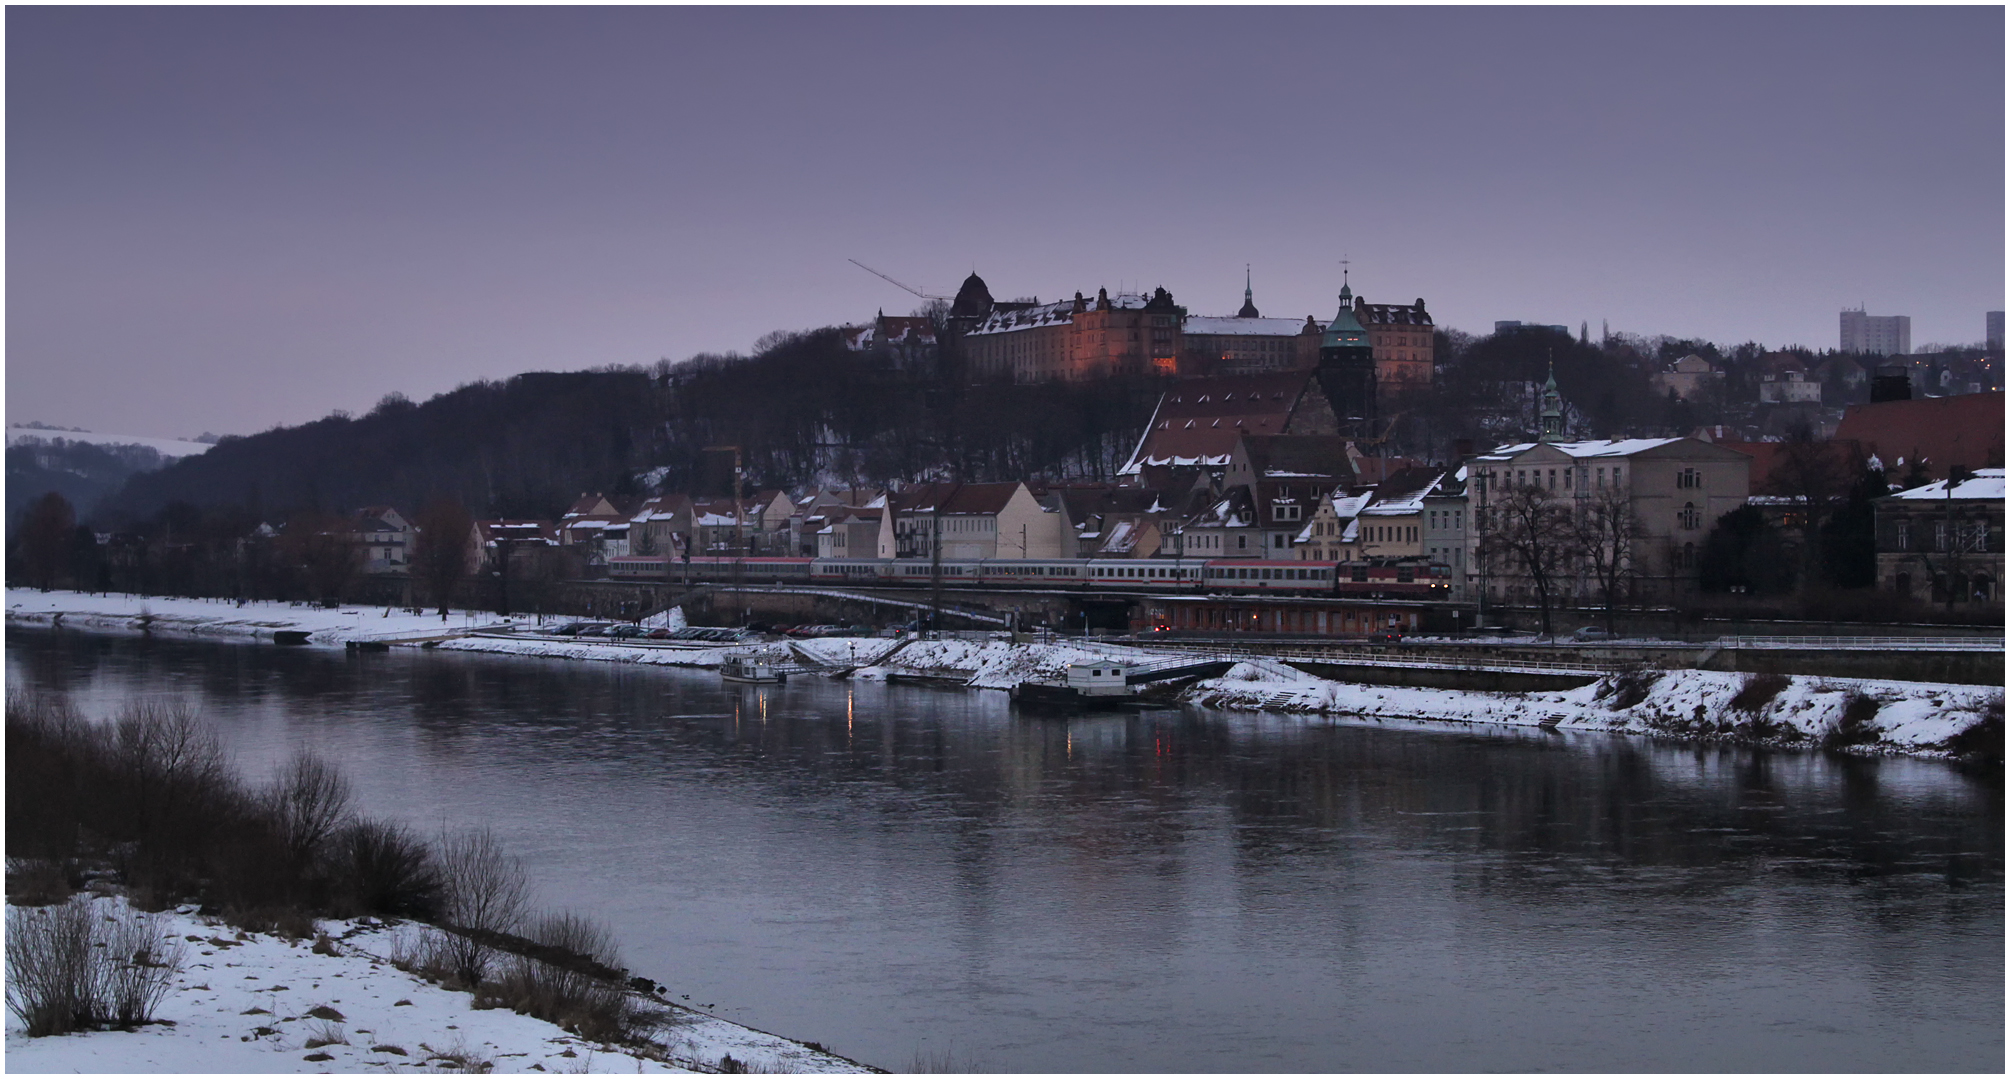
pixel 1868 714
pixel 253 1002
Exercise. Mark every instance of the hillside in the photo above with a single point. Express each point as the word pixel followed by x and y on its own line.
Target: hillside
pixel 805 410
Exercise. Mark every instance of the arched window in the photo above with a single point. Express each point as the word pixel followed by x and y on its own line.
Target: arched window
pixel 1692 518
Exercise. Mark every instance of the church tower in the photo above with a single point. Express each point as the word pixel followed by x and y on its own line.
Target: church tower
pixel 1347 369
pixel 1248 297
pixel 1552 409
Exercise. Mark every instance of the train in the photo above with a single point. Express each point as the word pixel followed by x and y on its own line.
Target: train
pixel 1407 579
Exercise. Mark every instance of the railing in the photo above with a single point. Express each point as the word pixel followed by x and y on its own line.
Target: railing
pixel 1375 657
pixel 1937 644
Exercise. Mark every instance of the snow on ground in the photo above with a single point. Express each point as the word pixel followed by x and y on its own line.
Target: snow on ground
pixel 170 448
pixel 242 1003
pixel 1911 717
pixel 988 664
pixel 180 616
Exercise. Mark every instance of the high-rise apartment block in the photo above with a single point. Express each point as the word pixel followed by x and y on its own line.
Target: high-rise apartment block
pixel 1992 334
pixel 1880 335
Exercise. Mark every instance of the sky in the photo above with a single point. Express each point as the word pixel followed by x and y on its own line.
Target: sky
pixel 224 219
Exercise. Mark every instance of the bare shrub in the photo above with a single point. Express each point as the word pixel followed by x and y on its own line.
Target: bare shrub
pixel 1857 724
pixel 568 975
pixel 68 968
pixel 383 869
pixel 52 968
pixel 485 891
pixel 944 1062
pixel 306 802
pixel 323 1032
pixel 1759 691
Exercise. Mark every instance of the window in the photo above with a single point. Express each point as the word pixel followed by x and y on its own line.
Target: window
pixel 1286 511
pixel 1903 536
pixel 1692 518
pixel 1689 478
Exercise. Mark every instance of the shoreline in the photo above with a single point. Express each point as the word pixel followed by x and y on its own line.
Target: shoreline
pixel 261 1002
pixel 1923 719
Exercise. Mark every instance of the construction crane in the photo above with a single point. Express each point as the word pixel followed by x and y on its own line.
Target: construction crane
pixel 899 284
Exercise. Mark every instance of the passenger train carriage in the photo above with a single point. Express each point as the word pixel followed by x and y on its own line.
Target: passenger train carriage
pixel 1168 575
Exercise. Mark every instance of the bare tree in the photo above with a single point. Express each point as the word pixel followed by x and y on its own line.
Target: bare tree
pixel 486 891
pixel 308 800
pixel 1606 530
pixel 46 535
pixel 1531 534
pixel 1816 475
pixel 322 547
pixel 440 557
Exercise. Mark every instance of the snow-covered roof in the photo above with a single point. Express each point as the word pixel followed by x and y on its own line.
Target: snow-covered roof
pixel 1242 327
pixel 1604 447
pixel 1986 483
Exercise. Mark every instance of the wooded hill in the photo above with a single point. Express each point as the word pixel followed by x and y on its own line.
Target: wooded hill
pixel 804 409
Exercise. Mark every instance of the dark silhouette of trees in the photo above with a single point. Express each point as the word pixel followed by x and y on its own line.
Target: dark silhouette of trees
pixel 46 537
pixel 1745 553
pixel 324 551
pixel 1606 531
pixel 440 555
pixel 1533 535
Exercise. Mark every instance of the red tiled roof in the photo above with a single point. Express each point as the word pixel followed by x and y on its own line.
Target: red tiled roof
pixel 1966 430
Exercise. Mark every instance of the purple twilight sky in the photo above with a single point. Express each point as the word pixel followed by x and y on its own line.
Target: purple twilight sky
pixel 226 218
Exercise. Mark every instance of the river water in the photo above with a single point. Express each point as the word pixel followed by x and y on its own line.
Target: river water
pixel 908 874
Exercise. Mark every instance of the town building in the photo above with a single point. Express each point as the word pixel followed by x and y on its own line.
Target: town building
pixel 1686 378
pixel 1879 335
pixel 971 521
pixel 1675 489
pixel 1931 434
pixel 1077 340
pixel 1784 379
pixel 1992 330
pixel 1347 371
pixel 1404 343
pixel 1446 539
pixel 384 538
pixel 1943 542
pixel 1197 423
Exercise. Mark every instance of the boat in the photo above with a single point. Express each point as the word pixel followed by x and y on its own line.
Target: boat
pixel 1086 685
pixel 751 669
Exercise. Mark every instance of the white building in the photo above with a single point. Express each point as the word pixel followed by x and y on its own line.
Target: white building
pixel 1882 335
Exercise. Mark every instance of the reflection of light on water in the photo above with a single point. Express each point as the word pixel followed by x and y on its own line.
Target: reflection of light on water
pixel 847 716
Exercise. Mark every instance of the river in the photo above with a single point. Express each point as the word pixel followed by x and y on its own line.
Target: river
pixel 914 875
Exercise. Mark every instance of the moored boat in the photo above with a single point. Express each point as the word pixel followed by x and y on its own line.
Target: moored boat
pixel 751 669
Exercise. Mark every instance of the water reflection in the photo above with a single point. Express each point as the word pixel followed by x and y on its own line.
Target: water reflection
pixel 892 868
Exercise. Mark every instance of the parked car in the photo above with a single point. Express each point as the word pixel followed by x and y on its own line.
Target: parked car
pixel 625 630
pixel 660 634
pixel 1391 637
pixel 568 629
pixel 598 629
pixel 1591 633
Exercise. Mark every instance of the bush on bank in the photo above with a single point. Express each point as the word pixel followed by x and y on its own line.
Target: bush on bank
pixel 150 804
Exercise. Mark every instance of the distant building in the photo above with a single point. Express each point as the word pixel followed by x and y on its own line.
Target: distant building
pixel 1077 340
pixel 1513 325
pixel 1784 379
pixel 1686 377
pixel 1403 339
pixel 1992 332
pixel 1197 423
pixel 1880 335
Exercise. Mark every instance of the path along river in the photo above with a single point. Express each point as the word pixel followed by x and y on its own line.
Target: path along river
pixel 908 874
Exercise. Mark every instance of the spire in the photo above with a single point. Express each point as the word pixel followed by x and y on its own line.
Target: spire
pixel 1248 296
pixel 1346 292
pixel 1552 408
